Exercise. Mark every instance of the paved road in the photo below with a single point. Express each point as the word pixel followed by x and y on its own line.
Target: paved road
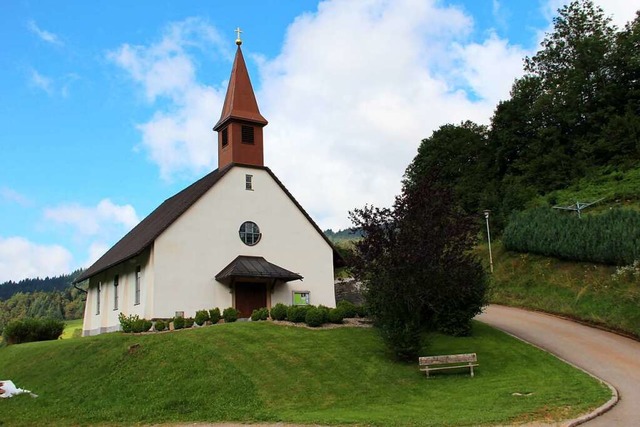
pixel 611 357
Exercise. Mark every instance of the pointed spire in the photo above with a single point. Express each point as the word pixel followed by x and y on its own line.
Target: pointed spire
pixel 240 136
pixel 240 102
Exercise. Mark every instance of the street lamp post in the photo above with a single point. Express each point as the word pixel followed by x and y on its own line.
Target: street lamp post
pixel 486 217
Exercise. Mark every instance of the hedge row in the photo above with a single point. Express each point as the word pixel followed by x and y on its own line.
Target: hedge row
pixel 30 330
pixel 609 238
pixel 311 315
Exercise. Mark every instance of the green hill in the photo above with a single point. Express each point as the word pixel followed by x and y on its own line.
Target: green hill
pixel 597 294
pixel 261 372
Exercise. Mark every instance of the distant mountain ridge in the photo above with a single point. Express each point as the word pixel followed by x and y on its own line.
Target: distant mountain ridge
pixel 48 284
pixel 341 235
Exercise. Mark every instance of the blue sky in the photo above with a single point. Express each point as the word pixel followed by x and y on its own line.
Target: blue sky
pixel 106 107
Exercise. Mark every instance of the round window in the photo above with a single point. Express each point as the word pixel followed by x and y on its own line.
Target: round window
pixel 250 233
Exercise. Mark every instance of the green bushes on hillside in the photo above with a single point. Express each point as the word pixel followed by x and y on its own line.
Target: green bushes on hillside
pixel 609 238
pixel 133 323
pixel 30 329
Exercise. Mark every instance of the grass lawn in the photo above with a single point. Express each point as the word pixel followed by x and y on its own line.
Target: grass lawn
pixel 261 372
pixel 71 328
pixel 583 291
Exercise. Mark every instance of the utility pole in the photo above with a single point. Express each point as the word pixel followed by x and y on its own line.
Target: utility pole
pixel 486 217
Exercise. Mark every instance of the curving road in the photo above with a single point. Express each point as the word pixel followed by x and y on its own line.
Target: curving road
pixel 608 356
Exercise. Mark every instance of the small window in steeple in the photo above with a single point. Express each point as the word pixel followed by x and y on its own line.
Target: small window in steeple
pixel 247 134
pixel 249 182
pixel 225 137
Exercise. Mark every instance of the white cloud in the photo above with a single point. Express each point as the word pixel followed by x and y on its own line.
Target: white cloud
pixel 104 219
pixel 356 87
pixel 41 82
pixel 94 228
pixel 348 111
pixel 43 34
pixel 59 86
pixel 489 68
pixel 179 138
pixel 12 196
pixel 21 259
pixel 620 11
pixel 96 250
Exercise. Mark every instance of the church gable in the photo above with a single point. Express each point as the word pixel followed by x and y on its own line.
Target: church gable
pixel 237 237
pixel 210 235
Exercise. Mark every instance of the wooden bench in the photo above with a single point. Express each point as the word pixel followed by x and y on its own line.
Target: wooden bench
pixel 452 361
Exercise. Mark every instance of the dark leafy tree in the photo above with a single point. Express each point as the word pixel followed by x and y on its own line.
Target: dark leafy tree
pixel 415 263
pixel 462 155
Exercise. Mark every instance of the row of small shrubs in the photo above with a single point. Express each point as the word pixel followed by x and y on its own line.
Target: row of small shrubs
pixel 30 330
pixel 133 323
pixel 311 315
pixel 612 237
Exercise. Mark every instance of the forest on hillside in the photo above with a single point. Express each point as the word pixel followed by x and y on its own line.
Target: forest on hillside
pixel 575 114
pixel 51 297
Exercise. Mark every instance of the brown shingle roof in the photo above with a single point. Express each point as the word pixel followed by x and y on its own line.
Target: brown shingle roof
pixel 255 267
pixel 143 234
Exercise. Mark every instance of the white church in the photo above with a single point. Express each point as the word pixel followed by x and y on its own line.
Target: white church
pixel 235 238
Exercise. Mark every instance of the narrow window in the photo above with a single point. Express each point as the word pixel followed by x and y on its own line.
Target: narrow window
pixel 98 298
pixel 137 296
pixel 225 137
pixel 115 292
pixel 249 182
pixel 247 134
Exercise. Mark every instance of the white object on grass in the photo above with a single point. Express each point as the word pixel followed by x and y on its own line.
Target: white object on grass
pixel 9 389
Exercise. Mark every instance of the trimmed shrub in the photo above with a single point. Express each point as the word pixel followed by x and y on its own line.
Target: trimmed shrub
pixel 160 325
pixel 348 308
pixel 201 317
pixel 336 315
pixel 279 312
pixel 297 313
pixel 230 315
pixel 325 313
pixel 260 314
pixel 362 311
pixel 314 317
pixel 188 322
pixel 30 330
pixel 178 322
pixel 133 323
pixel 214 315
pixel 141 325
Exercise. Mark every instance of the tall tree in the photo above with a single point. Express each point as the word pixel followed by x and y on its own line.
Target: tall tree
pixel 416 265
pixel 463 158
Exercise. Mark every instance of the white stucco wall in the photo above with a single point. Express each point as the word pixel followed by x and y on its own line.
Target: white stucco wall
pixel 107 320
pixel 205 239
pixel 178 271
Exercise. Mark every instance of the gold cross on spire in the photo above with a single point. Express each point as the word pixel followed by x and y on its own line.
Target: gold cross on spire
pixel 238 41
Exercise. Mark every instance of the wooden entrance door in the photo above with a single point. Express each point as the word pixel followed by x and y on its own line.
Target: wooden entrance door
pixel 250 296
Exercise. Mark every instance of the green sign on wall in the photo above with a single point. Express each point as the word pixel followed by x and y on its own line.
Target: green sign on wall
pixel 300 298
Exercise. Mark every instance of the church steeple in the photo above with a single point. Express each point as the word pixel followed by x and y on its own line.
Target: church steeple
pixel 240 125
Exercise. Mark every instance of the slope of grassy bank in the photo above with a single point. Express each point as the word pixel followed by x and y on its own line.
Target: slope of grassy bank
pixel 252 372
pixel 616 188
pixel 585 291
